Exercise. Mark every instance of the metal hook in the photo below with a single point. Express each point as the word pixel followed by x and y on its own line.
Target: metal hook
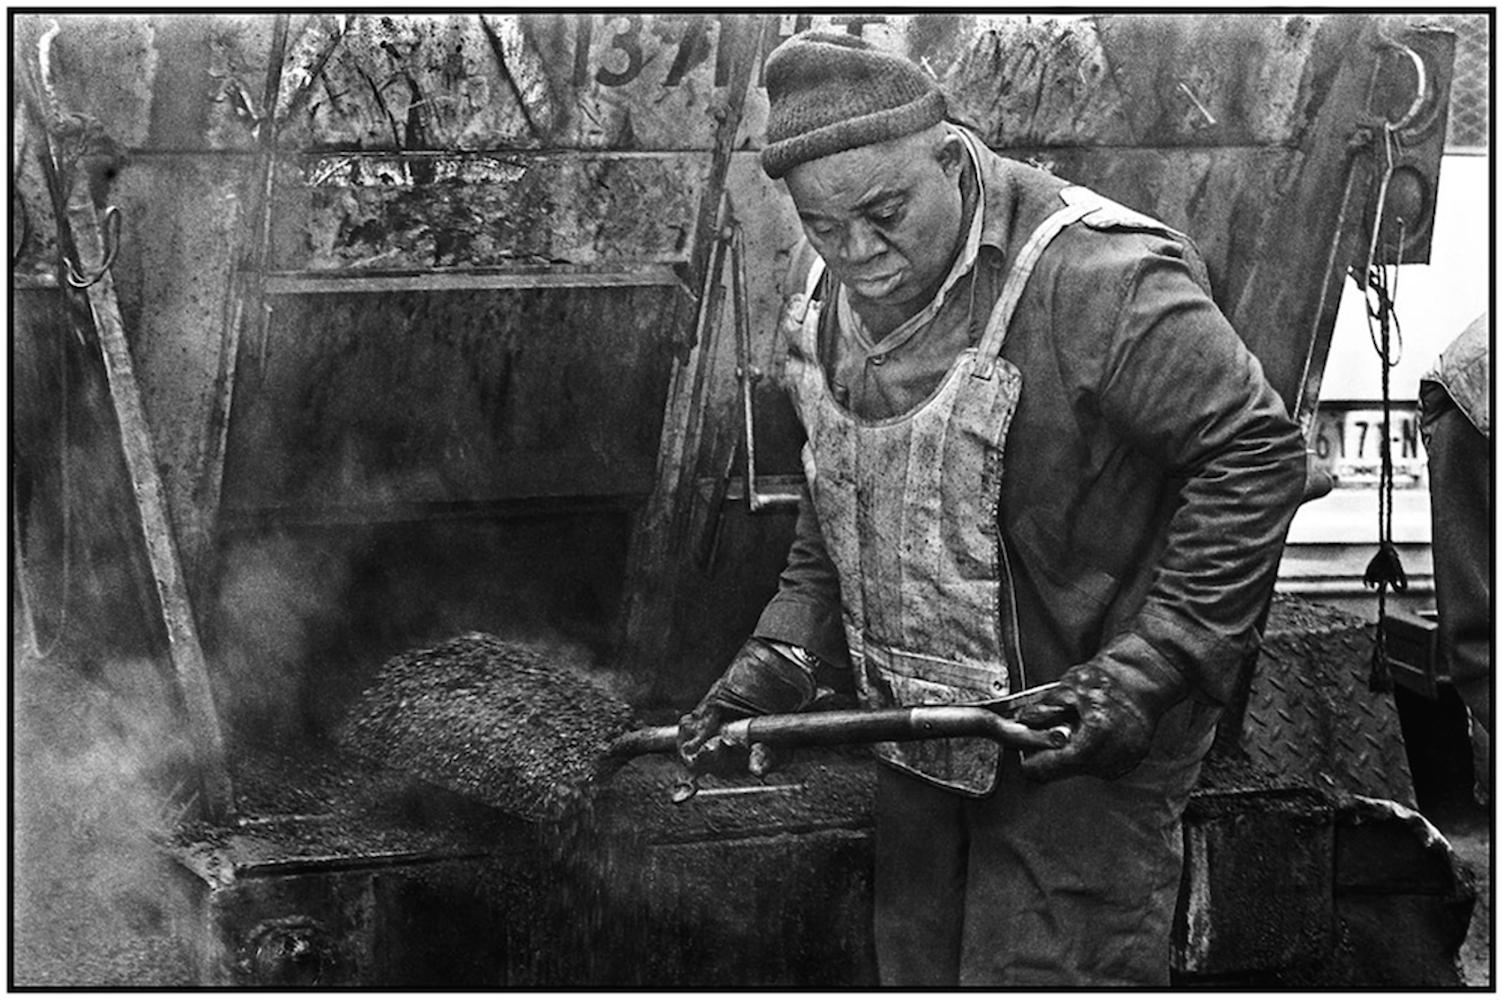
pixel 111 226
pixel 1421 84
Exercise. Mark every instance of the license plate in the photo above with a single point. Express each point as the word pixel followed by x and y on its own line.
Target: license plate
pixel 1349 445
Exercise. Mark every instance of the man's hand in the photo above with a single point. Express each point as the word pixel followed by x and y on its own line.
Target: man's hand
pixel 759 681
pixel 701 748
pixel 1113 710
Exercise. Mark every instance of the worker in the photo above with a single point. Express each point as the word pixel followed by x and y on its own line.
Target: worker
pixel 1036 452
pixel 1455 424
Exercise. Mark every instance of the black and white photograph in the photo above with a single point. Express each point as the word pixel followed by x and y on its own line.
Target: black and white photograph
pixel 751 499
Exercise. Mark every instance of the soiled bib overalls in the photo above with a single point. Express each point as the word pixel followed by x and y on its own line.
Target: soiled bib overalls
pixel 908 510
pixel 973 882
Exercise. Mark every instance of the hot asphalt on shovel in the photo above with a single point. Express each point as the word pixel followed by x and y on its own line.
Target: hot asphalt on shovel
pixel 522 728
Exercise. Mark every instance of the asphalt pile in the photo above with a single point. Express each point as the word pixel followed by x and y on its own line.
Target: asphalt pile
pixel 514 726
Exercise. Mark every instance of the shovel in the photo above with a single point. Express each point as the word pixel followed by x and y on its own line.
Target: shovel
pixel 992 720
pixel 509 724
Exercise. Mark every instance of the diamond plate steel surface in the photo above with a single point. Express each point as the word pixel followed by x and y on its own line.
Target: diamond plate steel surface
pixel 1311 720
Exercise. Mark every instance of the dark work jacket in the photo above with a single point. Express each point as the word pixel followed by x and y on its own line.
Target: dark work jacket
pixel 1151 471
pixel 1456 421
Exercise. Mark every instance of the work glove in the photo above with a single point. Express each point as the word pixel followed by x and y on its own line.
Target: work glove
pixel 1112 709
pixel 759 681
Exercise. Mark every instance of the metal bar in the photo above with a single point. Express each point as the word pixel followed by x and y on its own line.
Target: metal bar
pixel 329 863
pixel 744 34
pixel 708 541
pixel 749 375
pixel 151 508
pixel 646 620
pixel 710 793
pixel 326 282
pixel 19 580
pixel 1323 327
pixel 79 228
pixel 736 489
pixel 245 297
pixel 380 167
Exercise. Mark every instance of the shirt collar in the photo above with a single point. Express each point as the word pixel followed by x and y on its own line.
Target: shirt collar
pixel 994 195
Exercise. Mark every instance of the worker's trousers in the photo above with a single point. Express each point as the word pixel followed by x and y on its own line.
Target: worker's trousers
pixel 1068 883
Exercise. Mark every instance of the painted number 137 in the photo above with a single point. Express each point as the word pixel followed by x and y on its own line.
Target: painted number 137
pixel 622 57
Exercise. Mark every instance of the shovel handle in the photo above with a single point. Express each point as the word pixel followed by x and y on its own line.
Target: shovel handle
pixel 923 722
pixel 834 728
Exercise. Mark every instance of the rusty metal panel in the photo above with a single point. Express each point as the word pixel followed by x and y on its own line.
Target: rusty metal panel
pixel 1042 82
pixel 585 81
pixel 33 228
pixel 1071 80
pixel 210 71
pixel 399 81
pixel 166 81
pixel 793 850
pixel 815 889
pixel 372 401
pixel 446 211
pixel 172 277
pixel 1258 887
pixel 101 65
pixel 1217 79
pixel 341 873
pixel 86 572
pixel 1220 197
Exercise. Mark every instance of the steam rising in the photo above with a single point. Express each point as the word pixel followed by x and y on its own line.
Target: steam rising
pixel 98 752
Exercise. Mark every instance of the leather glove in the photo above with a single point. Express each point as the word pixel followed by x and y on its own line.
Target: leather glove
pixel 1113 709
pixel 759 681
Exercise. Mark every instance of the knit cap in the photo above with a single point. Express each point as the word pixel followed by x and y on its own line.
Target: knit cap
pixel 829 91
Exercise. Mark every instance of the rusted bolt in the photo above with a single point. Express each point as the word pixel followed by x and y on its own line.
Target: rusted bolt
pixel 1361 138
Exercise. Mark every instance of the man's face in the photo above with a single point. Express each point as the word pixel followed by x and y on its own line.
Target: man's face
pixel 885 217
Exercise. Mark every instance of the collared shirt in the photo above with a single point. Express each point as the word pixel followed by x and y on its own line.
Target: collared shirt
pixel 1150 471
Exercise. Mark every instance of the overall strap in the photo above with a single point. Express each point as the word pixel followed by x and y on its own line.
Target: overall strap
pixel 1017 278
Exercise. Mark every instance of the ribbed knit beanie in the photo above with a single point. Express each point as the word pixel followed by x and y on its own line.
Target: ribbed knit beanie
pixel 829 91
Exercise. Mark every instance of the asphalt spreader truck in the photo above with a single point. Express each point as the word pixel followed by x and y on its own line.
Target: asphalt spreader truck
pixel 404 392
